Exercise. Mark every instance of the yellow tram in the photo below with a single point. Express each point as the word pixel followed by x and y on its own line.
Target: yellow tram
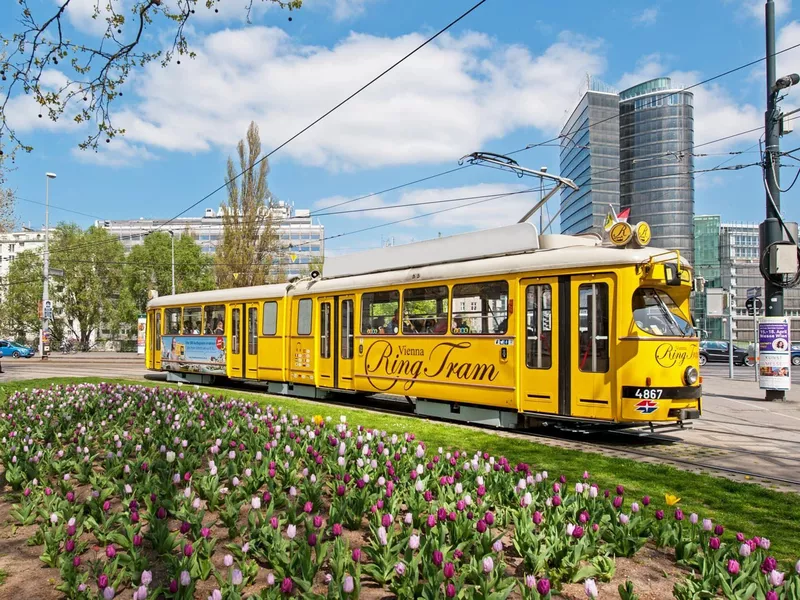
pixel 503 327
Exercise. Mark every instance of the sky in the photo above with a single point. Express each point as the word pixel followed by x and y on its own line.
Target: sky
pixel 506 76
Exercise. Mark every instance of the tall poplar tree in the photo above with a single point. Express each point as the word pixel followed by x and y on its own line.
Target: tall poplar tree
pixel 249 243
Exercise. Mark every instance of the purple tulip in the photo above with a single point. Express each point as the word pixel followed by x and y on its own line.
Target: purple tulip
pixel 481 526
pixel 185 527
pixel 719 530
pixel 337 529
pixel 450 590
pixel 489 518
pixel 317 521
pixel 543 586
pixel 768 565
pixel 617 502
pixel 356 554
pixel 660 515
pixel 308 507
pixel 111 552
pixel 102 581
pixel 678 514
pixel 137 540
pixel 449 570
pixel 386 520
pixel 70 545
pixel 740 537
pixel 620 490
pixel 646 501
pixel 173 586
pixel 205 532
pixel 771 595
pixel 76 562
pixel 577 533
pixel 161 513
pixel 312 539
pixel 71 530
pixel 188 550
pixel 733 566
pixel 713 543
pixel 556 500
pixel 273 522
pixel 70 496
pixel 438 557
pixel 134 517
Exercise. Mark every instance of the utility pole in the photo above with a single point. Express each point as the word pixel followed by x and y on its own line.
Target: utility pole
pixel 772 230
pixel 541 195
pixel 46 306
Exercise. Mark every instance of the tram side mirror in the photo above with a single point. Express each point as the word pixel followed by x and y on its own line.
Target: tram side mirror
pixel 672 275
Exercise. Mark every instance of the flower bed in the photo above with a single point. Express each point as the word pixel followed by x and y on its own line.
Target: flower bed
pixel 165 493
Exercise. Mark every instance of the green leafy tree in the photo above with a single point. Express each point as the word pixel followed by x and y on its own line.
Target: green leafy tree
pixel 6 198
pixel 150 268
pixel 86 297
pixel 19 312
pixel 249 245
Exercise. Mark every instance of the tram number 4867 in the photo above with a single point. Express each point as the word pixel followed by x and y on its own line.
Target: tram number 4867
pixel 648 393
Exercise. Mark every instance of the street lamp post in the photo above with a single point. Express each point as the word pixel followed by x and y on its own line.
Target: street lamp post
pixel 46 287
pixel 172 239
pixel 541 195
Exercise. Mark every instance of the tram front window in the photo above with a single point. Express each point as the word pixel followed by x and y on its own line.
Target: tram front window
pixel 655 312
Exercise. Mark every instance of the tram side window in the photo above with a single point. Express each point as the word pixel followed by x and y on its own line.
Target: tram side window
pixel 252 330
pixel 325 330
pixel 214 320
pixel 172 316
pixel 236 330
pixel 539 326
pixel 593 327
pixel 480 308
pixel 348 329
pixel 269 324
pixel 379 313
pixel 425 311
pixel 191 320
pixel 304 311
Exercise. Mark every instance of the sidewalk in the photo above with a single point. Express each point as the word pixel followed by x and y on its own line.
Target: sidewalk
pixel 740 389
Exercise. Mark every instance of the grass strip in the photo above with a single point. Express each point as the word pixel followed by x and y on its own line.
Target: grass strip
pixel 746 507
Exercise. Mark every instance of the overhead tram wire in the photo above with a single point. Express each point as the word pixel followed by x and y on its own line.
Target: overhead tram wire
pixel 655 99
pixel 320 118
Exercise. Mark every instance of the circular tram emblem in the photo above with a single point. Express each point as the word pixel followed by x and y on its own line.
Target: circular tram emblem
pixel 620 233
pixel 642 234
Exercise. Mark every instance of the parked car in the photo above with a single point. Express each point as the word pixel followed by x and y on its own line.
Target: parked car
pixel 15 350
pixel 714 351
pixel 795 354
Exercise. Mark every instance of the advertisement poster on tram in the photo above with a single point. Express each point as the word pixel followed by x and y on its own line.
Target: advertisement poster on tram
pixel 775 353
pixel 194 354
pixel 141 326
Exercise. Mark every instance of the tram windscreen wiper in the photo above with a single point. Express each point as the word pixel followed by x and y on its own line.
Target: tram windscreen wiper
pixel 670 318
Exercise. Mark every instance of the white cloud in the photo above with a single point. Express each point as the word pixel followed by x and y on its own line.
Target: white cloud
pixel 788 62
pixel 117 153
pixel 348 9
pixel 755 8
pixel 89 16
pixel 452 98
pixel 647 17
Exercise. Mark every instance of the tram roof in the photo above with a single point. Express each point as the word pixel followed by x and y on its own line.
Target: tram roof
pixel 553 255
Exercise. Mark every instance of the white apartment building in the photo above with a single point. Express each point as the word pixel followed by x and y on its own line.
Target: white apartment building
pixel 302 240
pixel 14 242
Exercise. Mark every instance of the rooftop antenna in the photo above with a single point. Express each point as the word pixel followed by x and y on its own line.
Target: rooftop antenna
pixel 509 164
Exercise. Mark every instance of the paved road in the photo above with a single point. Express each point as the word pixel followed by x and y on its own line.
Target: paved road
pixel 738 429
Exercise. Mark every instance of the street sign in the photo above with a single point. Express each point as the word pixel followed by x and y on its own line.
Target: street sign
pixel 753 303
pixel 56 272
pixel 48 309
pixel 753 292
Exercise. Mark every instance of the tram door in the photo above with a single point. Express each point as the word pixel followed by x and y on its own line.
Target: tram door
pixel 326 361
pixel 250 354
pixel 539 346
pixel 235 362
pixel 346 342
pixel 154 339
pixel 591 346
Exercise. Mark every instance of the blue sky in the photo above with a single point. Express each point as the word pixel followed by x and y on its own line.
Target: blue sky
pixel 506 76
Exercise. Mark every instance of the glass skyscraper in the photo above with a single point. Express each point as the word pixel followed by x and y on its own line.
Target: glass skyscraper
pixel 656 140
pixel 590 157
pixel 631 150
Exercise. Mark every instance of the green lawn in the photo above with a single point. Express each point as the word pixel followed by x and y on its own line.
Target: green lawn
pixel 749 508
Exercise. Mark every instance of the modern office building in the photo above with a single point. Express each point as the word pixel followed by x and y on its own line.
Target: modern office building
pixel 733 265
pixel 301 240
pixel 631 149
pixel 590 157
pixel 656 139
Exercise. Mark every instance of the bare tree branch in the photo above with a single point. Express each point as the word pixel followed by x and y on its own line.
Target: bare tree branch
pixel 93 74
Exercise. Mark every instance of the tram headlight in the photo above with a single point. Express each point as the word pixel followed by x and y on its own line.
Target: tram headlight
pixel 690 375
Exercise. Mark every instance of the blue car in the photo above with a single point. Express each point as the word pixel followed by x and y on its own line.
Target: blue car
pixel 15 350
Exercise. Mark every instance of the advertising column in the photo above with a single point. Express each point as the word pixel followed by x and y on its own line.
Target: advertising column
pixel 775 353
pixel 140 334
